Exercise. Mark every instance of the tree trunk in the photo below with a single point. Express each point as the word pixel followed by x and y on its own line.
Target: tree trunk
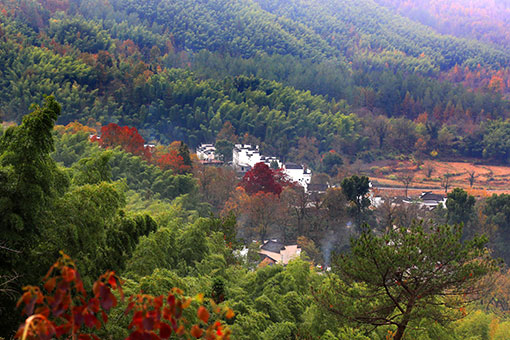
pixel 405 320
pixel 400 331
pixel 402 328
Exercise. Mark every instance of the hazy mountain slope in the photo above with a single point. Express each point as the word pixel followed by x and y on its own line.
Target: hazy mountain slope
pixel 487 21
pixel 350 25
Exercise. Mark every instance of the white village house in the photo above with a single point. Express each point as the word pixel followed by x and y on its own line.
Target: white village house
pixel 426 200
pixel 431 200
pixel 206 152
pixel 245 156
pixel 299 174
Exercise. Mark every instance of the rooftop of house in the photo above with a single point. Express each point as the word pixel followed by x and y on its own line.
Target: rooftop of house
pixel 429 196
pixel 317 187
pixel 206 147
pixel 293 166
pixel 247 147
pixel 278 252
pixel 273 246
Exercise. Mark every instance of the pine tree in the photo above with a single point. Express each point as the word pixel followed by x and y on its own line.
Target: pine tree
pixel 405 275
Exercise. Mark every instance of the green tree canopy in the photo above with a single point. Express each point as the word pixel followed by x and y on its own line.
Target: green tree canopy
pixel 405 275
pixel 330 163
pixel 497 210
pixel 27 173
pixel 460 206
pixel 356 190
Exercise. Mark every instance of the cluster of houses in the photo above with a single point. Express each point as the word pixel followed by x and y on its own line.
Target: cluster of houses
pixel 427 199
pixel 245 156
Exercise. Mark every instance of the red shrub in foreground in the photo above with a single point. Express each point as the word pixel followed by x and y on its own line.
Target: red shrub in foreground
pixel 65 311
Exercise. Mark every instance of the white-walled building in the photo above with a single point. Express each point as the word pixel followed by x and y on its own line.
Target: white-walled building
pixel 245 156
pixel 431 200
pixel 269 160
pixel 298 174
pixel 206 152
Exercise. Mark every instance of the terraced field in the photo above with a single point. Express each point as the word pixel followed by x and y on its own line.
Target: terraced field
pixel 429 176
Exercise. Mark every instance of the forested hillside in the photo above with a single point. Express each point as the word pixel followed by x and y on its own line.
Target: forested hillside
pixel 102 104
pixel 120 63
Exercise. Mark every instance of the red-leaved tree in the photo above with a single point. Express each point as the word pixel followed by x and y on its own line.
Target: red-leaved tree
pixel 174 157
pixel 263 178
pixel 129 139
pixel 64 310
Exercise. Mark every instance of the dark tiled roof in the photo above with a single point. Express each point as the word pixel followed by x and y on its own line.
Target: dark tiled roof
pixel 293 166
pixel 273 246
pixel 428 196
pixel 317 187
pixel 247 147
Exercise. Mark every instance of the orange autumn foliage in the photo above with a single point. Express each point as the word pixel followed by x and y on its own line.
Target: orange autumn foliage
pixel 128 138
pixel 75 127
pixel 173 161
pixel 203 314
pixel 169 158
